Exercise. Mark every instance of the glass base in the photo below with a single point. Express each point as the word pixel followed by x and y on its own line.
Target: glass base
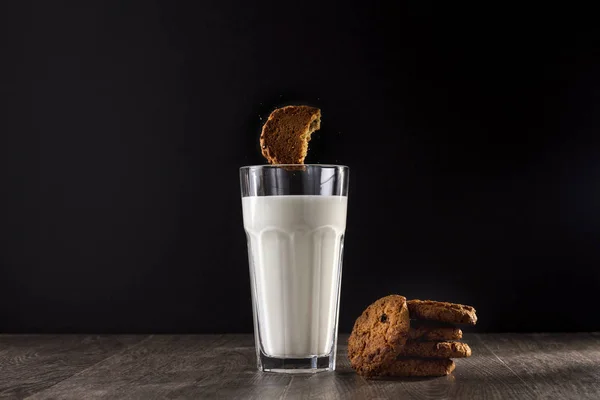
pixel 309 365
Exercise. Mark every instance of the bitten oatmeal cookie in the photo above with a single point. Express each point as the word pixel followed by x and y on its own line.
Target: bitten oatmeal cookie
pixel 285 135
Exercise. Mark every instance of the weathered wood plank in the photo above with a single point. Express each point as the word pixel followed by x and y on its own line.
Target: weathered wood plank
pixel 482 376
pixel 31 363
pixel 224 366
pixel 166 366
pixel 558 366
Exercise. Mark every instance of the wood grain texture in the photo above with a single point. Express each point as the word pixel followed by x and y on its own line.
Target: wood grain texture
pixel 503 366
pixel 31 363
pixel 554 366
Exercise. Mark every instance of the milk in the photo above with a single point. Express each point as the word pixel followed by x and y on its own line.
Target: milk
pixel 295 248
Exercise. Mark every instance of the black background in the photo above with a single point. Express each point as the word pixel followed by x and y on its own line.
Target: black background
pixel 471 133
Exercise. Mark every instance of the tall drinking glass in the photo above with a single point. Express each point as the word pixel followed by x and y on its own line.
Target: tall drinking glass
pixel 295 218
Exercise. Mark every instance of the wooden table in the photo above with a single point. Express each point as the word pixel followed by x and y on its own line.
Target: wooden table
pixel 503 366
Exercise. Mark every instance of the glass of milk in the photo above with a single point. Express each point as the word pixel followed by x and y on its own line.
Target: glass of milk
pixel 295 218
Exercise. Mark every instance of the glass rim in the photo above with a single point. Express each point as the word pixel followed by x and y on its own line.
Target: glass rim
pixel 339 166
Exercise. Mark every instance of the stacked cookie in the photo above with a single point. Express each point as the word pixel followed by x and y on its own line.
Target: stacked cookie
pixel 385 342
